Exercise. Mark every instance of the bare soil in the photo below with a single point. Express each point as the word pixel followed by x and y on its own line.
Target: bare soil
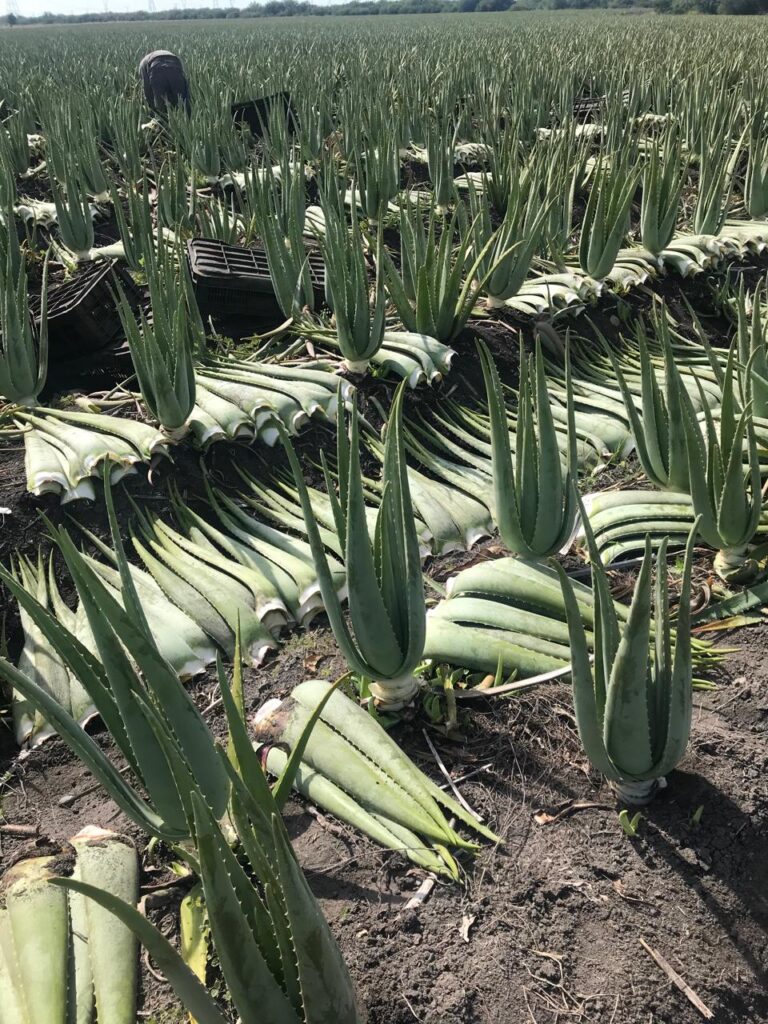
pixel 546 927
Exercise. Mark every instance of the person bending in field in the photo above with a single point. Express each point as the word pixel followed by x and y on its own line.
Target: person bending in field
pixel 164 81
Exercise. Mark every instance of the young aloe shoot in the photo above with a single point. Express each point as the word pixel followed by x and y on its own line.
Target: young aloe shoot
pixel 633 706
pixel 534 500
pixel 386 592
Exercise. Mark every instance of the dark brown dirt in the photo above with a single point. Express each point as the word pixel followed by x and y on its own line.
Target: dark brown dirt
pixel 553 918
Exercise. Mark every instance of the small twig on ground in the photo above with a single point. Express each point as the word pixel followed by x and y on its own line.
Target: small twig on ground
pixel 543 818
pixel 450 781
pixel 408 1004
pixel 469 775
pixel 421 895
pixel 157 976
pixel 326 823
pixel 19 830
pixel 675 978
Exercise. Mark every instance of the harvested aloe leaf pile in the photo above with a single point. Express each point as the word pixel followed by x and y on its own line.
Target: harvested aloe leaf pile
pixel 383 561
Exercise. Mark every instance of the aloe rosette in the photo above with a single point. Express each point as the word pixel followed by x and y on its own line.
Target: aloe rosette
pixel 633 706
pixel 384 580
pixel 534 501
pixel 724 480
pixel 659 427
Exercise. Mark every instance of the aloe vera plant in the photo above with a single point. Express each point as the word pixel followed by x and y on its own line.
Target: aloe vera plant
pixel 23 350
pixel 606 219
pixel 280 217
pixel 164 348
pixel 137 234
pixel 752 343
pixel 633 707
pixel 726 493
pixel 377 174
pixel 14 144
pixel 355 770
pixel 73 211
pixel 513 243
pixel 441 144
pixel 384 581
pixel 658 429
pixel 663 177
pixel 359 309
pixel 534 501
pixel 436 288
pixel 275 950
pixel 716 180
pixel 756 179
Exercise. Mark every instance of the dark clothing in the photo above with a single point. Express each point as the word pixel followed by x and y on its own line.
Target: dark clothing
pixel 164 81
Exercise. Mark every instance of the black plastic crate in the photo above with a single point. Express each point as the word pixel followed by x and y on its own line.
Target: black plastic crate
pixel 82 315
pixel 232 280
pixel 256 113
pixel 588 108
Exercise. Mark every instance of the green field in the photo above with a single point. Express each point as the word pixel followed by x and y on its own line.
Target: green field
pixel 444 381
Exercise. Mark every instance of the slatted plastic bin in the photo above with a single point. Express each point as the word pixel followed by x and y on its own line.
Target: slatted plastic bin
pixel 234 281
pixel 256 114
pixel 82 315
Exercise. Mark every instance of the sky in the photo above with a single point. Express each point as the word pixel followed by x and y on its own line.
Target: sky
pixel 34 7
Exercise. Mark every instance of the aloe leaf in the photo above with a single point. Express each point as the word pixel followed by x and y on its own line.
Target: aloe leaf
pixel 356 726
pixel 231 900
pixel 327 992
pixel 194 932
pixel 585 702
pixel 38 930
pixel 181 979
pixel 110 862
pixel 627 726
pixel 92 756
pixel 326 794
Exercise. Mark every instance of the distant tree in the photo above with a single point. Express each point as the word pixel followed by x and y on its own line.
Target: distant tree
pixel 741 7
pixel 12 20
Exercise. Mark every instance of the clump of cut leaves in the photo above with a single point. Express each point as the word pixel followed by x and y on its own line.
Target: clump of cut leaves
pixel 63 957
pixel 352 768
